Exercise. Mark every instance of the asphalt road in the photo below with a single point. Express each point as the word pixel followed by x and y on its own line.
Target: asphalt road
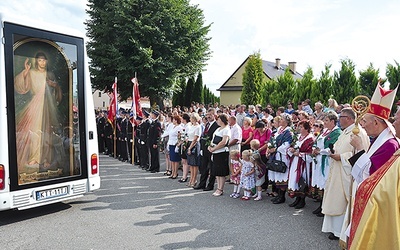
pixel 135 209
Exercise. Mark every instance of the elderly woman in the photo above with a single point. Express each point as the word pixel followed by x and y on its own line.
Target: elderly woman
pixel 300 160
pixel 220 153
pixel 321 149
pixel 247 133
pixel 193 151
pixel 277 149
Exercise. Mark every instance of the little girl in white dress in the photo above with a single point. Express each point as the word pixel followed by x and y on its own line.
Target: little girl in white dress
pixel 247 177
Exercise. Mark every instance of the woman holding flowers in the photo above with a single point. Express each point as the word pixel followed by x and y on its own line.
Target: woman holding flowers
pixel 277 150
pixel 300 160
pixel 321 150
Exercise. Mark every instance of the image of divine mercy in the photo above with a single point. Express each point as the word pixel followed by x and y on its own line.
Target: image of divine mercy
pixel 36 118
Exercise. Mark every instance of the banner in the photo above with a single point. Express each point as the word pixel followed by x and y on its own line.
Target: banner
pixel 136 108
pixel 112 110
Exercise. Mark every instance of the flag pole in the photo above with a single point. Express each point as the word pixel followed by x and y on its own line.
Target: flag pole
pixel 133 130
pixel 115 122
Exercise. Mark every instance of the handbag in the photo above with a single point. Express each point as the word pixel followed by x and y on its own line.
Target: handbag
pixel 217 139
pixel 276 165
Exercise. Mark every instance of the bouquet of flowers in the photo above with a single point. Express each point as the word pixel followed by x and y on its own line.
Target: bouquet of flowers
pixel 272 143
pixel 314 156
pixel 207 140
pixel 295 138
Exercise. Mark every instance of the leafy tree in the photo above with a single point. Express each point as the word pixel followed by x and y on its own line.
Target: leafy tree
pixel 368 80
pixel 160 40
pixel 189 92
pixel 252 80
pixel 393 76
pixel 323 88
pixel 198 89
pixel 303 88
pixel 345 83
pixel 283 89
pixel 178 96
pixel 205 94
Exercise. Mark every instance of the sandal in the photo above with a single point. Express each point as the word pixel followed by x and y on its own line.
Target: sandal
pixel 168 172
pixel 258 199
pixel 219 192
pixel 245 198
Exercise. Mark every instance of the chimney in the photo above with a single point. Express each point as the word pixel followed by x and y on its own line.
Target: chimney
pixel 278 63
pixel 292 67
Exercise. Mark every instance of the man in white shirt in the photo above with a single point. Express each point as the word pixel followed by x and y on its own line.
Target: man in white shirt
pixel 240 115
pixel 236 134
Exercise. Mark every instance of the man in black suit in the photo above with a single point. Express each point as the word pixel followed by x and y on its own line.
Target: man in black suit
pixel 101 122
pixel 206 162
pixel 124 136
pixel 109 135
pixel 154 137
pixel 137 140
pixel 144 150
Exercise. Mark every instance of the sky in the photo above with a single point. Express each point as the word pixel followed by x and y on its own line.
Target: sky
pixel 312 33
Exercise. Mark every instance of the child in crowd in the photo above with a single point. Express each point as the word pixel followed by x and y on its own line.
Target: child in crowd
pixel 247 178
pixel 260 168
pixel 236 167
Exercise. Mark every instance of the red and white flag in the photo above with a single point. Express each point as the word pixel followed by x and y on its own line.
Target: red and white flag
pixel 136 108
pixel 112 110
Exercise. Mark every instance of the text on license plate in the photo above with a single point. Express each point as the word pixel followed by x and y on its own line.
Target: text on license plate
pixel 50 193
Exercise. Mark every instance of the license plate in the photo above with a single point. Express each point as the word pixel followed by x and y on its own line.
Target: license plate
pixel 51 193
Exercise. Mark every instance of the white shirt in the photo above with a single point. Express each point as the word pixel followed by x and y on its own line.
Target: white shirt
pixel 173 134
pixel 192 131
pixel 236 133
pixel 222 132
pixel 168 128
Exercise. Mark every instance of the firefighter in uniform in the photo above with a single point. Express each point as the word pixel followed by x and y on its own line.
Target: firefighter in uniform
pixel 144 150
pixel 154 138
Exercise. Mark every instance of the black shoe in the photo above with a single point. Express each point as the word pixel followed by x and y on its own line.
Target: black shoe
pixel 280 200
pixel 198 187
pixel 208 189
pixel 275 198
pixel 332 237
pixel 296 201
pixel 301 204
pixel 281 197
pixel 148 169
pixel 317 211
pixel 183 180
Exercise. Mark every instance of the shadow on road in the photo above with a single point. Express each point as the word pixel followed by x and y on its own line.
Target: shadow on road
pixel 12 216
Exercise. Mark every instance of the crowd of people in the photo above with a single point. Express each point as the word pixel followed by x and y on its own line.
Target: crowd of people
pixel 298 153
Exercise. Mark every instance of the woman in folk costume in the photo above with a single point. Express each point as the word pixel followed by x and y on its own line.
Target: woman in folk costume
pixel 278 149
pixel 300 160
pixel 321 149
